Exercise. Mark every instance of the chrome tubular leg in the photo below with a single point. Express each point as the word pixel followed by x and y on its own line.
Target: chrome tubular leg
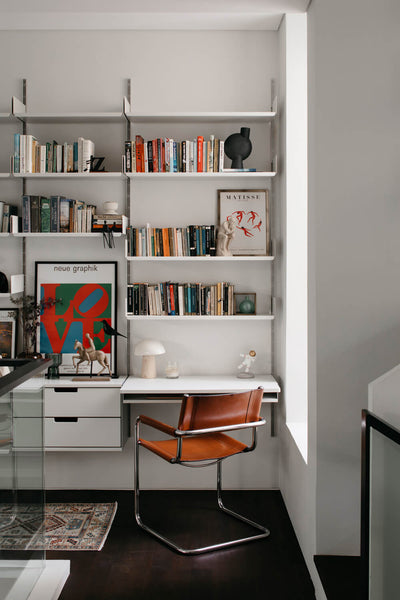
pixel 203 549
pixel 237 515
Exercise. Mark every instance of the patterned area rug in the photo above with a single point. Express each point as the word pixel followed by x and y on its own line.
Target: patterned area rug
pixel 66 526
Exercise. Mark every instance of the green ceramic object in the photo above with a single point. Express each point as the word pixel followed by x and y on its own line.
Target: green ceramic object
pixel 247 306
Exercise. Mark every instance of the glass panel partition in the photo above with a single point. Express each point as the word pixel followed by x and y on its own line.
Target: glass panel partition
pixel 22 555
pixel 380 528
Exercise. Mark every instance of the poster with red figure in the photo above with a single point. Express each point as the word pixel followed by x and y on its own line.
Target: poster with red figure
pixel 85 294
pixel 250 210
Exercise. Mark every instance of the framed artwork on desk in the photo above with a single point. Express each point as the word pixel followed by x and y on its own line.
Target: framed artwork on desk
pixel 88 293
pixel 251 211
pixel 8 332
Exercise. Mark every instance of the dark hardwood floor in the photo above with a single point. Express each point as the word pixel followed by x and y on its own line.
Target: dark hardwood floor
pixel 134 565
pixel 340 576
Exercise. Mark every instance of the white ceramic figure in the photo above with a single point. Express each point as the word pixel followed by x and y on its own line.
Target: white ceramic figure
pixel 226 233
pixel 246 363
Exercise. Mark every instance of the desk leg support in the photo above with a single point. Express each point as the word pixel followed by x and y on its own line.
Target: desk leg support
pixel 273 420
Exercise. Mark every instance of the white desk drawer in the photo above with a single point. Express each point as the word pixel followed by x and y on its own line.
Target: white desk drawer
pixel 81 402
pixel 82 432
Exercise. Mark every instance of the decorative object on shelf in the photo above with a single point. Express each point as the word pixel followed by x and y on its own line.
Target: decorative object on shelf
pixel 245 303
pixel 238 147
pixel 148 350
pixel 8 330
pixel 246 363
pixel 172 370
pixel 110 207
pixel 53 371
pixel 226 233
pixel 88 292
pixel 4 370
pixel 95 164
pixel 90 355
pixel 251 209
pixel 108 330
pixel 31 311
pixel 3 284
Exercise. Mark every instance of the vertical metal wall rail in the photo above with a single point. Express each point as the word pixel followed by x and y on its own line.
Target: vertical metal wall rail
pixel 128 214
pixel 272 203
pixel 24 129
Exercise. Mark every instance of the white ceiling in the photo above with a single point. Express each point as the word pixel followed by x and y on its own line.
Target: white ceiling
pixel 146 14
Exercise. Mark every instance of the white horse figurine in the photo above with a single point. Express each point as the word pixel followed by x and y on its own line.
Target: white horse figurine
pixel 89 355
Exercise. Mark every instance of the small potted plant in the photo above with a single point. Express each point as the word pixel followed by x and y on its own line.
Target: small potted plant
pixel 29 314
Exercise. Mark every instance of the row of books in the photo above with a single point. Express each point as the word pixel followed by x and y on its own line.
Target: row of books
pixel 165 155
pixel 192 240
pixel 58 214
pixel 168 299
pixel 8 218
pixel 32 157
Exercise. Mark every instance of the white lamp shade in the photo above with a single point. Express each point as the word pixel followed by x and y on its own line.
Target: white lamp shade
pixel 149 349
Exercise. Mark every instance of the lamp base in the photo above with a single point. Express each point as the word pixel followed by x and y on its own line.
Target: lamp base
pixel 149 370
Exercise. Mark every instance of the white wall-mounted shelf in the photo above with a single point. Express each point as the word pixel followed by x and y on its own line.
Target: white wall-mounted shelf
pixel 87 176
pixel 202 117
pixel 101 117
pixel 68 234
pixel 200 317
pixel 19 112
pixel 5 175
pixel 200 258
pixel 211 175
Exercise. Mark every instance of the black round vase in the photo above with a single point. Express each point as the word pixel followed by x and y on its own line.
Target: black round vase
pixel 3 284
pixel 238 147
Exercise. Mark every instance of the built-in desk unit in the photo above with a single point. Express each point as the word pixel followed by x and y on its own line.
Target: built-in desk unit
pixel 162 390
pixel 84 415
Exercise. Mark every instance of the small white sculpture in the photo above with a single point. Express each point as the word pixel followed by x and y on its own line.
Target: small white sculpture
pixel 226 233
pixel 246 363
pixel 90 355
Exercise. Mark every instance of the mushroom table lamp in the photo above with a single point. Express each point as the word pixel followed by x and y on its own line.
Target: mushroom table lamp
pixel 149 349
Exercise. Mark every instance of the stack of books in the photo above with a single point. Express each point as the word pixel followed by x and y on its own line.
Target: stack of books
pixel 32 157
pixel 165 155
pixel 56 214
pixel 192 240
pixel 101 222
pixel 169 299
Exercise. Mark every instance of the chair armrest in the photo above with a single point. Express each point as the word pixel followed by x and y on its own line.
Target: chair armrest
pixel 189 432
pixel 157 425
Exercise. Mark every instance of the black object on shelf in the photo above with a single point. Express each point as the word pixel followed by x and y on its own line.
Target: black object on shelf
pixel 3 284
pixel 238 147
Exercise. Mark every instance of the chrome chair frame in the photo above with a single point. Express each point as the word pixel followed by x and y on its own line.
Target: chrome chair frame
pixel 179 435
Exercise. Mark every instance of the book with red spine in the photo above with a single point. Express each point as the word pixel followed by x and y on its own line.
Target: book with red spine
pixel 200 143
pixel 139 141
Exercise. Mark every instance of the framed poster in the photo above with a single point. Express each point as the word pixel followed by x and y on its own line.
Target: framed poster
pixel 8 332
pixel 88 293
pixel 251 210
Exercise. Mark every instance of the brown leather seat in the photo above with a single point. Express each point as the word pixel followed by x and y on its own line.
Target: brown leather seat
pixel 199 440
pixel 205 412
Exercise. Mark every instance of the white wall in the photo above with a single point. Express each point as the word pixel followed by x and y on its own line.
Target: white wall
pixel 181 70
pixel 355 132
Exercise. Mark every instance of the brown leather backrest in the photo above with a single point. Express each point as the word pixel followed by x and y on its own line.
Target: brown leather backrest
pixel 201 412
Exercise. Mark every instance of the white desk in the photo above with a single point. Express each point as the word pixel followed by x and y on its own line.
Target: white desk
pixel 161 390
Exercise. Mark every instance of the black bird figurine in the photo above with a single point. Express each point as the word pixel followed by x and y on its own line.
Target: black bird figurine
pixel 110 330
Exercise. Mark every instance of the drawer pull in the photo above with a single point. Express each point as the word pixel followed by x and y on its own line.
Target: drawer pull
pixel 65 390
pixel 65 419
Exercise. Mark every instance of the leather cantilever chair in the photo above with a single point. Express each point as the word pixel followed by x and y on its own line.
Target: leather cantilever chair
pixel 199 440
